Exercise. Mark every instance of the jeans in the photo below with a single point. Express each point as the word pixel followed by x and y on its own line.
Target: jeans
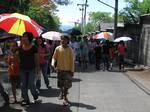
pixel 97 62
pixel 106 61
pixel 28 82
pixel 44 72
pixel 121 62
pixel 48 69
pixel 4 94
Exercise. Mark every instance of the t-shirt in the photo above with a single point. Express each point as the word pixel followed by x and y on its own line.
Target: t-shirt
pixel 64 58
pixel 27 58
pixel 121 49
pixel 42 57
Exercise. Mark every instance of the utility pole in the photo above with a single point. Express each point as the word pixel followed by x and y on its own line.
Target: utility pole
pixel 116 18
pixel 115 15
pixel 81 9
pixel 86 5
pixel 83 20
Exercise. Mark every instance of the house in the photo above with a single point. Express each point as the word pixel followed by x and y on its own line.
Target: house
pixel 109 26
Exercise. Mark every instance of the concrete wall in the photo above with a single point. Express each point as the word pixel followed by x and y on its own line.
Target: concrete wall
pixel 133 31
pixel 144 54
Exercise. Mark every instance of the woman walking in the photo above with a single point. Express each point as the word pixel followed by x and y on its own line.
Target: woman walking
pixel 28 67
pixel 42 54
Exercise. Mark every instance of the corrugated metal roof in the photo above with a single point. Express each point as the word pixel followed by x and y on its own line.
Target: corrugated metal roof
pixel 105 26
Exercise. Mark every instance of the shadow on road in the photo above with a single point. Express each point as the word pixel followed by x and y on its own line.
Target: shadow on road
pixel 76 80
pixel 117 70
pixel 51 92
pixel 89 69
pixel 82 105
pixel 9 109
pixel 51 107
pixel 48 107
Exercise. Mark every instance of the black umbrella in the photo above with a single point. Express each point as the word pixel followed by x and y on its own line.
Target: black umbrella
pixel 7 37
pixel 74 31
pixel 4 36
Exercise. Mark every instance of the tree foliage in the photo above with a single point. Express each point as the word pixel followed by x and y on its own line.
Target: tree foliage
pixel 13 6
pixel 95 18
pixel 90 28
pixel 134 10
pixel 39 2
pixel 43 17
pixel 100 16
pixel 42 12
pixel 39 10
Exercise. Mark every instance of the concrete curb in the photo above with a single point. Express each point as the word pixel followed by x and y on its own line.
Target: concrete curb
pixel 133 69
pixel 138 84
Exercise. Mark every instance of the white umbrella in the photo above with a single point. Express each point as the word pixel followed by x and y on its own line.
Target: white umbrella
pixel 122 39
pixel 52 35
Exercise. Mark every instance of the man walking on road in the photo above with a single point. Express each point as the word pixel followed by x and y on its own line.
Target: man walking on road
pixel 63 61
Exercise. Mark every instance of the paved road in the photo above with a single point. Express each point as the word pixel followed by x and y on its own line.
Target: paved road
pixel 92 92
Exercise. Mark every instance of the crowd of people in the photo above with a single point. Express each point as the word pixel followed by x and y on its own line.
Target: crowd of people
pixel 103 53
pixel 30 60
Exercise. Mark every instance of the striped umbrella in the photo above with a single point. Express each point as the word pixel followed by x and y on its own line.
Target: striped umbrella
pixel 104 35
pixel 16 23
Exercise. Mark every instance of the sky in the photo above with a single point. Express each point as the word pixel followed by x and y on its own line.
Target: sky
pixel 71 13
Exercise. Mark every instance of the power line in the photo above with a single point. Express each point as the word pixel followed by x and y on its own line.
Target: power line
pixel 106 4
pixel 115 15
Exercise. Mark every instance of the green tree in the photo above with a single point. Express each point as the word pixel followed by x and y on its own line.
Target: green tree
pixel 89 28
pixel 100 16
pixel 95 18
pixel 39 10
pixel 9 6
pixel 134 10
pixel 43 14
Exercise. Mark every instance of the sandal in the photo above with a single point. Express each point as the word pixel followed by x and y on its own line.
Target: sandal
pixel 66 103
pixel 60 97
pixel 23 103
pixel 15 102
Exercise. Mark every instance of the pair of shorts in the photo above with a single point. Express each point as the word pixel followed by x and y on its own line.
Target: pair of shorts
pixel 64 79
